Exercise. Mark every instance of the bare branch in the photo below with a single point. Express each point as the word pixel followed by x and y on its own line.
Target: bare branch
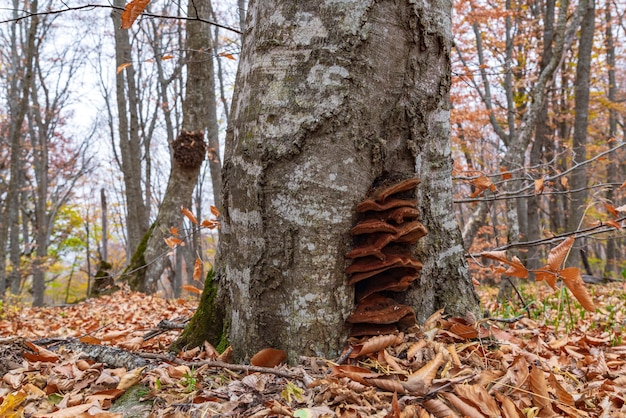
pixel 88 7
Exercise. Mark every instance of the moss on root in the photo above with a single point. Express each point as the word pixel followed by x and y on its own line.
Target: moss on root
pixel 208 323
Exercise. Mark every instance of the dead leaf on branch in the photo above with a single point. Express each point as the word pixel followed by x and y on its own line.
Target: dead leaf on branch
pixel 516 268
pixel 574 282
pixel 121 67
pixel 132 11
pixel 191 289
pixel 612 210
pixel 227 55
pixel 558 254
pixel 172 242
pixel 189 215
pixel 539 185
pixel 197 270
pixel 482 183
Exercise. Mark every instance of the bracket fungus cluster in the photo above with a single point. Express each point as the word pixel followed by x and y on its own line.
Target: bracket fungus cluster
pixel 382 260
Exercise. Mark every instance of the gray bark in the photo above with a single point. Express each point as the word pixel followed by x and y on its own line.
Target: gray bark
pixel 611 268
pixel 541 147
pixel 199 115
pixel 129 141
pixel 578 179
pixel 19 91
pixel 329 98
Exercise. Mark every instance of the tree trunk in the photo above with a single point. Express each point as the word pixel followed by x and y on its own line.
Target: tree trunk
pixel 533 259
pixel 129 141
pixel 611 268
pixel 19 87
pixel 189 149
pixel 578 179
pixel 328 99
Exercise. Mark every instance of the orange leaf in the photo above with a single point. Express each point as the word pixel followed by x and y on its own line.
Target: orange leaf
pixel 622 186
pixel 613 223
pixel 121 67
pixel 574 282
pixel 482 182
pixel 210 224
pixel 167 57
pixel 215 211
pixel 559 253
pixel 538 186
pixel 504 174
pixel 197 270
pixel 191 289
pixel 132 11
pixel 227 55
pixel 621 208
pixel 611 209
pixel 565 183
pixel 548 276
pixel 189 215
pixel 268 357
pixel 43 354
pixel 517 269
pixel 172 242
pixel 174 231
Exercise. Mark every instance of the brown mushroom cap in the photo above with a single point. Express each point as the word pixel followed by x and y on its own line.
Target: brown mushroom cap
pixel 398 215
pixel 371 204
pixel 381 194
pixel 377 309
pixel 392 280
pixel 408 233
pixel 394 256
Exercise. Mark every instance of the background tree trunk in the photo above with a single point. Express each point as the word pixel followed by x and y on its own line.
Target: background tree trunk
pixel 578 179
pixel 328 99
pixel 23 51
pixel 611 268
pixel 137 221
pixel 199 114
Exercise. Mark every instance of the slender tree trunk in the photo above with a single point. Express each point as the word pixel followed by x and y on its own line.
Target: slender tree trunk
pixel 542 141
pixel 611 268
pixel 578 179
pixel 129 141
pixel 311 131
pixel 199 115
pixel 241 6
pixel 19 93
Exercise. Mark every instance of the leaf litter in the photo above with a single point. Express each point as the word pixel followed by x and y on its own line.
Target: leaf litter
pixel 53 364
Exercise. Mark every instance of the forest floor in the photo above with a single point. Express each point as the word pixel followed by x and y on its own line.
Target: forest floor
pixel 100 358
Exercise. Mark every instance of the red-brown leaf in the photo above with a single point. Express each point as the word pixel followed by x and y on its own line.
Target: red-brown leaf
pixel 574 282
pixel 191 289
pixel 189 215
pixel 197 270
pixel 557 255
pixel 132 11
